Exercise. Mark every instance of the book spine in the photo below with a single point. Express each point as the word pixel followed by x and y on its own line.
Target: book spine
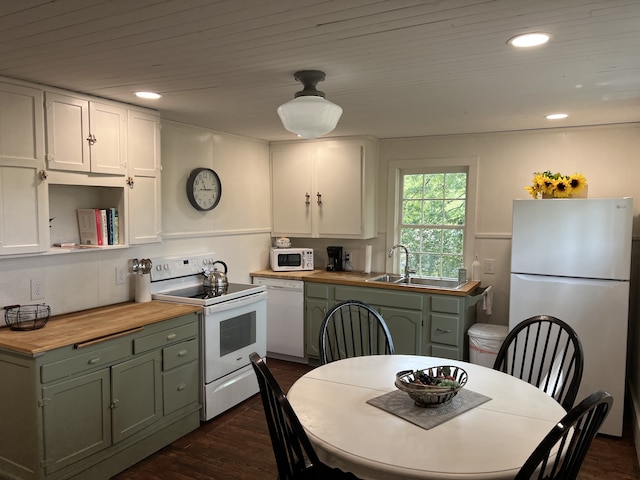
pixel 87 227
pixel 110 225
pixel 98 225
pixel 116 234
pixel 103 224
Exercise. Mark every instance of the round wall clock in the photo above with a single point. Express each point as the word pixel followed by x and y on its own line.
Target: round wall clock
pixel 204 189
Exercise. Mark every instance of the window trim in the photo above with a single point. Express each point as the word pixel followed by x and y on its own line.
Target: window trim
pixel 402 166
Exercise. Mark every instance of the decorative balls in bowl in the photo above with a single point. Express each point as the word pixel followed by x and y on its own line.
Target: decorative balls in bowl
pixel 433 386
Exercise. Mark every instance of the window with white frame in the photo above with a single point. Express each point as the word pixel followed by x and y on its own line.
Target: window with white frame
pixel 432 219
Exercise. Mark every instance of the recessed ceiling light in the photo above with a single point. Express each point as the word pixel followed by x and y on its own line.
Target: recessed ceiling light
pixel 529 40
pixel 150 95
pixel 556 116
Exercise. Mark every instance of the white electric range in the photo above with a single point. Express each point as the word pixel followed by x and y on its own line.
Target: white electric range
pixel 232 325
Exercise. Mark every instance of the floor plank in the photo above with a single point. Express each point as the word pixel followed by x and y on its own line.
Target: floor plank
pixel 236 446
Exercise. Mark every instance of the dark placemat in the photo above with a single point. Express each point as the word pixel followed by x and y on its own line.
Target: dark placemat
pixel 400 404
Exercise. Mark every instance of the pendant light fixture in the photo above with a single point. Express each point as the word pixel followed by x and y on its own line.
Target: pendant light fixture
pixel 309 115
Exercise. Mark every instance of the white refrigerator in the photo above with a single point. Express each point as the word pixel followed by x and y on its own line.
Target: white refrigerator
pixel 571 258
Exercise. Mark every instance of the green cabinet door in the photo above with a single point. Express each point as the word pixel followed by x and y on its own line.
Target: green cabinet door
pixel 315 310
pixel 76 419
pixel 405 327
pixel 136 394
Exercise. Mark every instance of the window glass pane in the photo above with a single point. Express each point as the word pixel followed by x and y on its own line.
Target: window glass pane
pixel 412 212
pixel 433 212
pixel 434 185
pixel 431 240
pixel 412 186
pixel 455 185
pixel 454 212
pixel 450 265
pixel 429 265
pixel 452 241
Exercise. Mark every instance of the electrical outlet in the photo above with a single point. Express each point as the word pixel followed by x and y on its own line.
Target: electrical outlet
pixel 37 289
pixel 490 266
pixel 121 275
pixel 347 257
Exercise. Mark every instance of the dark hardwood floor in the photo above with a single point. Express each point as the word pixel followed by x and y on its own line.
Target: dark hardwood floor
pixel 236 446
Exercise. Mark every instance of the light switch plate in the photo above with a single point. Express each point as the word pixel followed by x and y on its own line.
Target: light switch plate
pixel 490 266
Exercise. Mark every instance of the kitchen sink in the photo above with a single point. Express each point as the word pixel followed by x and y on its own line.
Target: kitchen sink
pixel 417 281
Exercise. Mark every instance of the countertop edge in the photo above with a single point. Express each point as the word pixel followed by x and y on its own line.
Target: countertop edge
pixel 360 279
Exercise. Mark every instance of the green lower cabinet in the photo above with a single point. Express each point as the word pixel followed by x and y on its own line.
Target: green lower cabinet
pixel 90 411
pixel 420 323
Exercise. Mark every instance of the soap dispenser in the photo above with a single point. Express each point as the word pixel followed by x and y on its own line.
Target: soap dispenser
pixel 475 270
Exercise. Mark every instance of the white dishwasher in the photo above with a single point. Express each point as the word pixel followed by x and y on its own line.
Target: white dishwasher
pixel 285 317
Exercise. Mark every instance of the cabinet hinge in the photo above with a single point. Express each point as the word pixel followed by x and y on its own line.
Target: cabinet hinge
pixel 49 158
pixel 47 105
pixel 361 153
pixel 43 402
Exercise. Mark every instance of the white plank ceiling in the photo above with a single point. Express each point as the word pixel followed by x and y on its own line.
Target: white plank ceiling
pixel 399 68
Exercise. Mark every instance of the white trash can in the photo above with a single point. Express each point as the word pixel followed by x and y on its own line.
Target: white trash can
pixel 485 340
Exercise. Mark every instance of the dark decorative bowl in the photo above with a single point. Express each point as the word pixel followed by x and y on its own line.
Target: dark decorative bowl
pixel 431 395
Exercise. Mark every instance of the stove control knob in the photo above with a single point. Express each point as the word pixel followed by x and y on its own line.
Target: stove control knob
pixel 166 266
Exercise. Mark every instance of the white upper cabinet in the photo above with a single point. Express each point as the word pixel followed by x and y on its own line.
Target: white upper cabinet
pixel 324 189
pixel 23 192
pixel 85 135
pixel 143 153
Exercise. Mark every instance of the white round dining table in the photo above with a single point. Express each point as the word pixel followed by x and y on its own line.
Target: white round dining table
pixel 489 441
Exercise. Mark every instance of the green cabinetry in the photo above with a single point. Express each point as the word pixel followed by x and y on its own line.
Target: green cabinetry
pixel 420 323
pixel 90 410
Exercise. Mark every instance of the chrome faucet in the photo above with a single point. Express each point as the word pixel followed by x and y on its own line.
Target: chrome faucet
pixel 407 270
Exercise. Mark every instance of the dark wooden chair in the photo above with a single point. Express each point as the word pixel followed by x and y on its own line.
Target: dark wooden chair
pixel 295 457
pixel 562 451
pixel 546 352
pixel 352 329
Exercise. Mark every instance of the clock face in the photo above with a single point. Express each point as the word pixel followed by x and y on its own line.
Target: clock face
pixel 204 189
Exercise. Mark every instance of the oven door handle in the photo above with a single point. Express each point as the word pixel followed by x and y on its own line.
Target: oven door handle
pixel 237 302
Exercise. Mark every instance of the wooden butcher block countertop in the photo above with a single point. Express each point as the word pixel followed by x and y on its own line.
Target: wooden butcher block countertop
pixel 86 325
pixel 359 279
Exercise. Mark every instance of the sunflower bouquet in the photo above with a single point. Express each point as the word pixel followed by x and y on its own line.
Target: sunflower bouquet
pixel 547 184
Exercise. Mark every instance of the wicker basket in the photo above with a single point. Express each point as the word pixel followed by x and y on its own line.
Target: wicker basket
pixel 27 317
pixel 430 395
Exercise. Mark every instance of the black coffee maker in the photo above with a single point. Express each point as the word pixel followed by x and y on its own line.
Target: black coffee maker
pixel 335 259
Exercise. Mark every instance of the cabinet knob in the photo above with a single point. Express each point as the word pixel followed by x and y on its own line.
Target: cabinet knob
pixel 181 387
pixel 306 198
pixel 171 336
pixel 92 139
pixel 319 195
pixel 43 174
pixel 130 181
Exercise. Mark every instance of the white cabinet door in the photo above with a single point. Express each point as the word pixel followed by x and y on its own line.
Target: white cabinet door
pixel 339 181
pixel 292 195
pixel 23 193
pixel 108 141
pixel 84 136
pixel 67 132
pixel 324 189
pixel 143 155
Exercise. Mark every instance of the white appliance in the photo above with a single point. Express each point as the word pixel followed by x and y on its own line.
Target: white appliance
pixel 291 259
pixel 232 326
pixel 285 318
pixel 571 258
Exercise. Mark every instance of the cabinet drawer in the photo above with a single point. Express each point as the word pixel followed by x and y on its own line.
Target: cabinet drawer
pixel 180 387
pixel 166 337
pixel 444 329
pixel 380 297
pixel 316 290
pixel 445 352
pixel 445 304
pixel 179 354
pixel 81 362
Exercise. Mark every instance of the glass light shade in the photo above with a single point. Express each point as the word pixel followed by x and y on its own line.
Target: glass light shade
pixel 309 116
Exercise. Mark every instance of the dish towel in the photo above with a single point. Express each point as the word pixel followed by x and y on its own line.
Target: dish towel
pixel 487 297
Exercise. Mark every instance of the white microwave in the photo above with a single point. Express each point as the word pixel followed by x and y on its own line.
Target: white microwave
pixel 291 259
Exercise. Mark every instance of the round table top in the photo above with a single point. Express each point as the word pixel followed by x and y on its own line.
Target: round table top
pixel 490 441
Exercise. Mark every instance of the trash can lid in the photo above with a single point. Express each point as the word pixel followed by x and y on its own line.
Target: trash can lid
pixel 488 331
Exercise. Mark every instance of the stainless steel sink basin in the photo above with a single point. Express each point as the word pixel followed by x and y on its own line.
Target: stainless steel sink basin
pixel 417 281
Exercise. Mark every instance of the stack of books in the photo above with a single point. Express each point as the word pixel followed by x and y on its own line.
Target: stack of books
pixel 98 226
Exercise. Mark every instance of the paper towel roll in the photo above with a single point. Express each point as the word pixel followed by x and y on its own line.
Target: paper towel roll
pixel 367 259
pixel 143 288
